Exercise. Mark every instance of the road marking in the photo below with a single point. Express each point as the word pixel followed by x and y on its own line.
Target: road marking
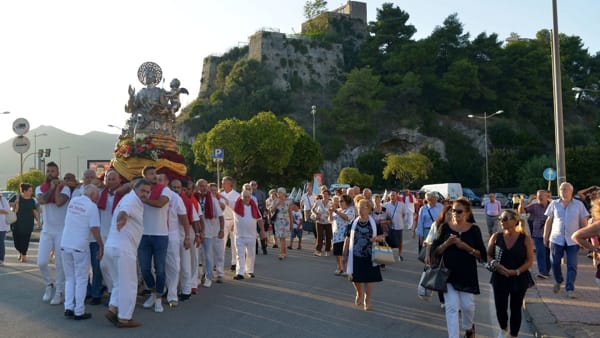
pixel 18 272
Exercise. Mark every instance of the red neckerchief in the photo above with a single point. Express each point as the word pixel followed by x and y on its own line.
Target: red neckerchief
pixel 156 192
pixel 188 206
pixel 103 200
pixel 209 212
pixel 239 208
pixel 44 188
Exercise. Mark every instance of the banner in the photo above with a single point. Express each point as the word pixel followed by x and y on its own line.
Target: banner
pixel 317 183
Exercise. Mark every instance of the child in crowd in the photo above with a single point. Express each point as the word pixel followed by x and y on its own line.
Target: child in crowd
pixel 297 226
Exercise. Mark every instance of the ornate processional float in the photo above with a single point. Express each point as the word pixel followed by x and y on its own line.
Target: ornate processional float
pixel 148 137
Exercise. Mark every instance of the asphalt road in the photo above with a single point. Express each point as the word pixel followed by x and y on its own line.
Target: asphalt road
pixel 297 297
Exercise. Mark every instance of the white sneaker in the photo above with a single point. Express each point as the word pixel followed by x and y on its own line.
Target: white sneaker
pixel 158 308
pixel 150 301
pixel 207 283
pixel 57 299
pixel 503 334
pixel 48 293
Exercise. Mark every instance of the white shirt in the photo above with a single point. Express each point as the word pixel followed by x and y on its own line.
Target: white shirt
pixel 82 214
pixel 176 208
pixel 155 219
pixel 211 226
pixel 565 220
pixel 308 201
pixel 128 238
pixel 4 205
pixel 78 191
pixel 230 197
pixel 53 216
pixel 297 218
pixel 394 212
pixel 245 226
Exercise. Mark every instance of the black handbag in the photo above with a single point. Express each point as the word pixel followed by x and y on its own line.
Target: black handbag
pixel 436 277
pixel 423 254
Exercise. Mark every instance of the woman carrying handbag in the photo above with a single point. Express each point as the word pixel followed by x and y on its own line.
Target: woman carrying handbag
pixel 511 254
pixel 460 245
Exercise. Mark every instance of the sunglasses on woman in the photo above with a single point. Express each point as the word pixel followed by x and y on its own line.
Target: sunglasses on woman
pixel 457 211
pixel 503 219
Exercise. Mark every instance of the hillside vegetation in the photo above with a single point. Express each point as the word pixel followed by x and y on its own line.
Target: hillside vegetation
pixel 393 80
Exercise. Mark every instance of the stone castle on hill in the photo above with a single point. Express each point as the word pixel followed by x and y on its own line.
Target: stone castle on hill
pixel 299 59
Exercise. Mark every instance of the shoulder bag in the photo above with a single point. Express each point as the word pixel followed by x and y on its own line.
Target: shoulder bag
pixel 382 254
pixel 436 277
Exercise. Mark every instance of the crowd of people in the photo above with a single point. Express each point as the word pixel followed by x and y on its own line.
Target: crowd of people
pixel 152 235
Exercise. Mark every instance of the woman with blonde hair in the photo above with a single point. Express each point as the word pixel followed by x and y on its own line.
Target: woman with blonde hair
pixel 511 255
pixel 361 269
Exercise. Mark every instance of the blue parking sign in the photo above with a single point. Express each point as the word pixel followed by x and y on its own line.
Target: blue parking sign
pixel 549 174
pixel 218 154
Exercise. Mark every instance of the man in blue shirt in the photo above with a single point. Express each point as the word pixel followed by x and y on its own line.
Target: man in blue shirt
pixel 427 215
pixel 565 216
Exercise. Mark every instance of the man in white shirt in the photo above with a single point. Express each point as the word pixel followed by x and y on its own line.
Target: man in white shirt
pixel 214 224
pixel 177 221
pixel 109 197
pixel 53 195
pixel 230 196
pixel 395 212
pixel 120 254
pixel 246 218
pixel 155 239
pixel 306 202
pixel 82 219
pixel 409 203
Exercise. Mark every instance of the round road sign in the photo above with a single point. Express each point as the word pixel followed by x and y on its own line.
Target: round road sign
pixel 21 126
pixel 21 144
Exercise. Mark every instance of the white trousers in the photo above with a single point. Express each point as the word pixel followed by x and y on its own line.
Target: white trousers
pixel 172 267
pixel 76 265
pixel 122 269
pixel 185 275
pixel 246 254
pixel 51 241
pixel 456 300
pixel 213 255
pixel 229 233
pixel 193 267
pixel 104 269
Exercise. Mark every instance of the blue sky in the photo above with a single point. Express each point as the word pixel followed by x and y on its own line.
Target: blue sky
pixel 68 63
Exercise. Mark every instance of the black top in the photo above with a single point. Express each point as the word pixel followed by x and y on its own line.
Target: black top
pixel 462 265
pixel 511 259
pixel 25 219
pixel 362 239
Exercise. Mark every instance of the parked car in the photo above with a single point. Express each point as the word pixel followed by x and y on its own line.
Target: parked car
pixel 474 199
pixel 8 194
pixel 421 196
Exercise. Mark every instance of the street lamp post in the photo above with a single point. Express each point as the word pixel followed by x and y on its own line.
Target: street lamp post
pixel 559 133
pixel 35 136
pixel 313 111
pixel 60 149
pixel 5 112
pixel 485 117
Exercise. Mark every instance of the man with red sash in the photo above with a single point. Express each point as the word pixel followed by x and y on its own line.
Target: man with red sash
pixel 53 195
pixel 155 239
pixel 214 223
pixel 230 196
pixel 179 238
pixel 246 219
pixel 185 250
pixel 198 226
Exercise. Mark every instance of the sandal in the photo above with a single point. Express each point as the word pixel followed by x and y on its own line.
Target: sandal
pixel 470 333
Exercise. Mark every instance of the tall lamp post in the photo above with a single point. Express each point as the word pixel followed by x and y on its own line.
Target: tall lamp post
pixel 5 112
pixel 313 111
pixel 485 117
pixel 60 149
pixel 35 136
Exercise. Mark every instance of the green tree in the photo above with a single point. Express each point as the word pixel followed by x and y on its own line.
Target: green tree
pixel 33 177
pixel 529 175
pixel 407 168
pixel 371 163
pixel 314 8
pixel 353 176
pixel 260 148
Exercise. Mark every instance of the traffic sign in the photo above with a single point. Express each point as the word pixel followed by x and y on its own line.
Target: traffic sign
pixel 549 174
pixel 21 144
pixel 218 154
pixel 21 126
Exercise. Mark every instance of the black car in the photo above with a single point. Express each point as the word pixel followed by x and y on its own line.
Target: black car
pixel 474 199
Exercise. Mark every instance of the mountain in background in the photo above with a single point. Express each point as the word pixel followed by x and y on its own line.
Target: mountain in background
pixel 81 148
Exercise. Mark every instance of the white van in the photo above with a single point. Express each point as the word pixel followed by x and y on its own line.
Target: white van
pixel 450 191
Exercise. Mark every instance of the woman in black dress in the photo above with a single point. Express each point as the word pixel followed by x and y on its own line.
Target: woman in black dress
pixel 511 254
pixel 26 209
pixel 460 245
pixel 361 269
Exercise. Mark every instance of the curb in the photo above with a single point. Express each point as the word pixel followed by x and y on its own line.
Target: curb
pixel 539 317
